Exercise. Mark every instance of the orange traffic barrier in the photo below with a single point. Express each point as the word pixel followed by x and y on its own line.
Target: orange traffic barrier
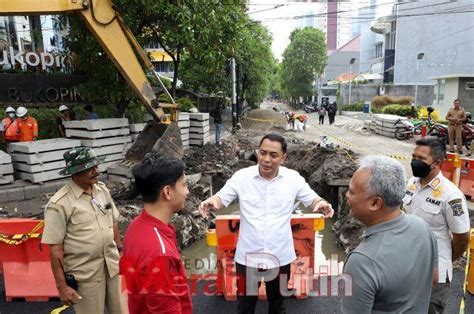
pixel 447 166
pixel 466 184
pixel 227 231
pixel 470 274
pixel 25 261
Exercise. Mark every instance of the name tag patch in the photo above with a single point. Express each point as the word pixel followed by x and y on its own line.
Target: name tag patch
pixel 456 206
pixel 432 201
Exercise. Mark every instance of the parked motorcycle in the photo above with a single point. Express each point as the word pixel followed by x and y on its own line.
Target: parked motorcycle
pixel 311 107
pixel 404 129
pixel 441 131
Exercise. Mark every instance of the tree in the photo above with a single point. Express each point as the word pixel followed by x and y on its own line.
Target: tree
pixel 303 59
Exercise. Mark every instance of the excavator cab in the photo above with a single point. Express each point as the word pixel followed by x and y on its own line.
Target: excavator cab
pixel 106 25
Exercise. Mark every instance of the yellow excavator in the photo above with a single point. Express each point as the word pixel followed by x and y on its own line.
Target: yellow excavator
pixel 107 26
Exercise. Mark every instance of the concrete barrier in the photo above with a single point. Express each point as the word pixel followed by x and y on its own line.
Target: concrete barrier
pixel 6 168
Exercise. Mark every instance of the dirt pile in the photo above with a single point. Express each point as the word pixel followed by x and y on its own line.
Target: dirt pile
pixel 328 171
pixel 263 120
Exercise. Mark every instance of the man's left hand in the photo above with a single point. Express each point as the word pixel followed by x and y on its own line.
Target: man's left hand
pixel 324 207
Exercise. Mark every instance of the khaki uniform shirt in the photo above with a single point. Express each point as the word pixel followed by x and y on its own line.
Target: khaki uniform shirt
pixel 84 226
pixel 456 114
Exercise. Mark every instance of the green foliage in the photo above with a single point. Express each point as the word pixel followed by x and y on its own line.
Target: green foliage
pixel 400 110
pixel 303 59
pixel 354 107
pixel 185 104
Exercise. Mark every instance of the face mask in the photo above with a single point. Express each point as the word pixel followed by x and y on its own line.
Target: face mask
pixel 11 115
pixel 420 168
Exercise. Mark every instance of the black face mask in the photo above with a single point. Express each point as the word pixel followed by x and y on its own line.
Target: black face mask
pixel 420 168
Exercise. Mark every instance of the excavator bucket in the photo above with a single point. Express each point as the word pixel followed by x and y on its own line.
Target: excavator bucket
pixel 164 139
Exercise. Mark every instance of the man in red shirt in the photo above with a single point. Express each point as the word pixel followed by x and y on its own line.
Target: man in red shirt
pixel 9 127
pixel 155 278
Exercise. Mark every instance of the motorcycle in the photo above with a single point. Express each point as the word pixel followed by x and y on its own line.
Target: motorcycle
pixel 441 131
pixel 404 129
pixel 311 107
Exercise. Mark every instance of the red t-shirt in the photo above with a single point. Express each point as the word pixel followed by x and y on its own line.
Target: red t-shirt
pixel 153 269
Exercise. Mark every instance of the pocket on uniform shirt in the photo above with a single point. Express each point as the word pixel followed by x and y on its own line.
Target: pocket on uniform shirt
pixel 282 201
pixel 81 217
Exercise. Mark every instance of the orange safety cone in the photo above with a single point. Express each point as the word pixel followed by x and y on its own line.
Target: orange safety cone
pixel 423 129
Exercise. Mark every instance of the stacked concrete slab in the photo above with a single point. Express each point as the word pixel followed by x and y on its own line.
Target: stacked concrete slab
pixel 40 161
pixel 199 129
pixel 110 138
pixel 384 124
pixel 184 124
pixel 136 129
pixel 6 168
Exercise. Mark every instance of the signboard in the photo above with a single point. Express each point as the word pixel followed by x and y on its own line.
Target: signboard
pixel 40 88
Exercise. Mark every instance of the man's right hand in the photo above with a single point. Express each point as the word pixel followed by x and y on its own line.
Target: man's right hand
pixel 69 296
pixel 210 203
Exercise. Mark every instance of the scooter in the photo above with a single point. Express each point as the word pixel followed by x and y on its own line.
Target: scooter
pixel 404 129
pixel 311 107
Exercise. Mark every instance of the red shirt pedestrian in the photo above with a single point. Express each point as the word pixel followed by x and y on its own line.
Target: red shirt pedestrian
pixel 154 273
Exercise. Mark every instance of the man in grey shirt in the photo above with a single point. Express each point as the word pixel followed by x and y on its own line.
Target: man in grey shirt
pixel 395 266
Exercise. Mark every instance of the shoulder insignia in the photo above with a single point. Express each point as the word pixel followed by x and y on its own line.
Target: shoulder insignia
pixel 437 193
pixel 456 206
pixel 412 187
pixel 435 183
pixel 60 194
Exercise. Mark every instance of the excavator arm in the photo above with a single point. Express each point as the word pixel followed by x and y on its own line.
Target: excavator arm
pixel 106 25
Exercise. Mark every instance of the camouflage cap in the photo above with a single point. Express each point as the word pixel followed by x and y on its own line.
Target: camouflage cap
pixel 80 159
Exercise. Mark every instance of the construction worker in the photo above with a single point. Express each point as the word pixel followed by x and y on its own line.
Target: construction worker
pixel 9 127
pixel 455 118
pixel 27 126
pixel 65 114
pixel 82 232
pixel 150 251
pixel 443 206
pixel 393 268
pixel 266 194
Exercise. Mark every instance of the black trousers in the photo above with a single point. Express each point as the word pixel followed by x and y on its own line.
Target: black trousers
pixel 275 299
pixel 321 119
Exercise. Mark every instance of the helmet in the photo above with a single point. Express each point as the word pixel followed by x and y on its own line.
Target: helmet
pixel 62 108
pixel 9 109
pixel 21 112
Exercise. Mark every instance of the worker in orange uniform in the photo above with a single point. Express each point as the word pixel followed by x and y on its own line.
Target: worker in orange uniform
pixel 27 126
pixel 9 127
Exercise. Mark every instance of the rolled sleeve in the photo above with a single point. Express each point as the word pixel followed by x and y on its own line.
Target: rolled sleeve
pixel 364 285
pixel 55 224
pixel 230 191
pixel 457 213
pixel 305 194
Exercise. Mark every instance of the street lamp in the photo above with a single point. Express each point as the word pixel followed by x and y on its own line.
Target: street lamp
pixel 350 78
pixel 419 57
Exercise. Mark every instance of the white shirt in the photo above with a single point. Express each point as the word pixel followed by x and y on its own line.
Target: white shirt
pixel 265 214
pixel 443 206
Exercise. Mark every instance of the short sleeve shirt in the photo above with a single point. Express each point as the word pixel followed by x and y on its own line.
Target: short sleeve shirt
pixel 83 224
pixel 265 214
pixel 457 114
pixel 443 206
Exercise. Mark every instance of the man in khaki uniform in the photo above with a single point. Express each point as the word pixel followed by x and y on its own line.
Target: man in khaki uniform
pixel 455 118
pixel 81 229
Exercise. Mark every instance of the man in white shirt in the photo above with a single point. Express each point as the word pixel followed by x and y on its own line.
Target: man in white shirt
pixel 266 194
pixel 443 206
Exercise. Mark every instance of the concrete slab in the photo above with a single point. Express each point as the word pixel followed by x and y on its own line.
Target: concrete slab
pixel 199 130
pixel 195 136
pixel 39 158
pixel 115 178
pixel 5 158
pixel 184 137
pixel 113 149
pixel 104 166
pixel 184 124
pixel 44 145
pixel 134 136
pixel 183 116
pixel 60 164
pixel 198 142
pixel 32 192
pixel 97 125
pixel 6 169
pixel 3 196
pixel 107 141
pixel 113 157
pixel 185 131
pixel 39 177
pixel 199 123
pixel 200 116
pixel 137 127
pixel 16 194
pixel 96 134
pixel 6 179
pixel 120 170
pixel 49 187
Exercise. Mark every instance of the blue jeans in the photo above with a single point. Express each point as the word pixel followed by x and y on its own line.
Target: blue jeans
pixel 218 132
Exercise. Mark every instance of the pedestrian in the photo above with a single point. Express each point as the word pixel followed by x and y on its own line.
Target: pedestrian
pixel 304 120
pixel 83 236
pixel 9 127
pixel 150 248
pixel 266 194
pixel 65 114
pixel 394 267
pixel 217 115
pixel 443 206
pixel 455 118
pixel 27 126
pixel 321 114
pixel 90 114
pixel 332 112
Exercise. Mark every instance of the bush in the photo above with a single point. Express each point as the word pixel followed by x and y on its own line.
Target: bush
pixel 400 110
pixel 385 100
pixel 184 104
pixel 354 107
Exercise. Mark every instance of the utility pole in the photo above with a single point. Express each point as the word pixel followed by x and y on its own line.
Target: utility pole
pixel 234 95
pixel 419 57
pixel 350 79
